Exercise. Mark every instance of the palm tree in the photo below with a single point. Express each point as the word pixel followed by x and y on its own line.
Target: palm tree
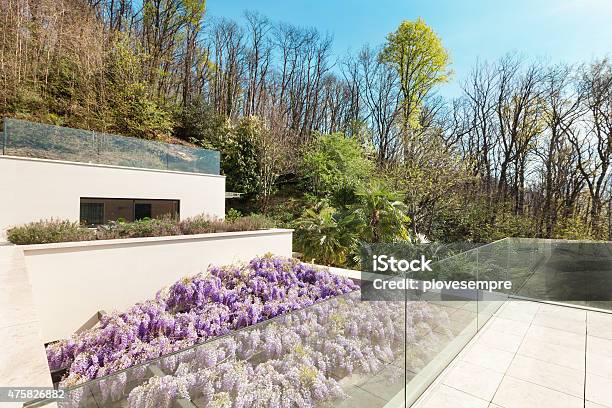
pixel 324 236
pixel 382 213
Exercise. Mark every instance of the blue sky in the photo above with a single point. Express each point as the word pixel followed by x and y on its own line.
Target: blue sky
pixel 554 30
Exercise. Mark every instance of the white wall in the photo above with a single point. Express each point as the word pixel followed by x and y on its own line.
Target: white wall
pixel 33 189
pixel 72 281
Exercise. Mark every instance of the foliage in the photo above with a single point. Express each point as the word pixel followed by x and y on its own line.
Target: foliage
pixel 330 236
pixel 383 216
pixel 204 225
pixel 429 178
pixel 242 157
pixel 324 236
pixel 198 122
pixel 232 214
pixel 250 157
pixel 48 231
pixel 417 54
pixel 472 221
pixel 573 228
pixel 147 227
pixel 135 112
pixel 335 163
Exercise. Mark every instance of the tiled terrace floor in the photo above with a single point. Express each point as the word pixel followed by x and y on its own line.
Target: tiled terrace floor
pixel 531 355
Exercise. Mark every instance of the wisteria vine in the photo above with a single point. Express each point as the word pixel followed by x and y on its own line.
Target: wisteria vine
pixel 193 310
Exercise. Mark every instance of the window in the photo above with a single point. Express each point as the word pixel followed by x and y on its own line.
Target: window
pixel 95 211
pixel 92 213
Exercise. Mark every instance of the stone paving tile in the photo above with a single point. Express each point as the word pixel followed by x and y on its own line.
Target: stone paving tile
pixel 555 336
pixel 599 390
pixel 549 375
pixel 515 393
pixel 599 325
pixel 474 380
pixel 447 397
pixel 553 353
pixel 489 357
pixel 548 349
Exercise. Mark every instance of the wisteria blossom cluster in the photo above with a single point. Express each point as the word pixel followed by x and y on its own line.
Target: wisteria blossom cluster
pixel 298 360
pixel 193 310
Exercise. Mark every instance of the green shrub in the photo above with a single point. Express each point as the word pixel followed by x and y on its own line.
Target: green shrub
pixel 148 227
pixel 202 224
pixel 249 223
pixel 49 231
pixel 232 214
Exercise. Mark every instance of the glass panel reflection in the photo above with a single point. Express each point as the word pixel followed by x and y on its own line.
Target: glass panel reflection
pixel 28 139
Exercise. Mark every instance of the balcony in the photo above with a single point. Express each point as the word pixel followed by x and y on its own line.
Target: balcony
pixel 27 139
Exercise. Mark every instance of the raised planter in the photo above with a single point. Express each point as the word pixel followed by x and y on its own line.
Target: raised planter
pixel 72 281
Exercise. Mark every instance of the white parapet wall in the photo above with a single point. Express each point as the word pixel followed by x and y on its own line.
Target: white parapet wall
pixel 33 189
pixel 72 281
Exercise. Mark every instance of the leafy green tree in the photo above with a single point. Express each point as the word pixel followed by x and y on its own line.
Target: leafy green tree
pixel 238 144
pixel 250 157
pixel 421 61
pixel 200 124
pixel 241 161
pixel 335 163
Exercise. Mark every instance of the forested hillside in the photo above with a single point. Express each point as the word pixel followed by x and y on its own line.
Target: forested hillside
pixel 355 147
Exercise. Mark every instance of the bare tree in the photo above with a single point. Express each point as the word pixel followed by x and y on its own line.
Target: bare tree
pixel 593 144
pixel 382 98
pixel 562 110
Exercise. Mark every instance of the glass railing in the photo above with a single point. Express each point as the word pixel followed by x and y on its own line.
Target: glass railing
pixel 467 310
pixel 28 139
pixel 570 272
pixel 339 352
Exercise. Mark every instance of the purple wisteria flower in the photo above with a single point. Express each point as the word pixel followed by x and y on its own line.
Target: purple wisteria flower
pixel 193 310
pixel 301 359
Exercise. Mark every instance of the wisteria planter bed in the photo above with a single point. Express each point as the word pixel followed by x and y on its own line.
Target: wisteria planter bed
pixel 272 333
pixel 193 310
pixel 311 357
